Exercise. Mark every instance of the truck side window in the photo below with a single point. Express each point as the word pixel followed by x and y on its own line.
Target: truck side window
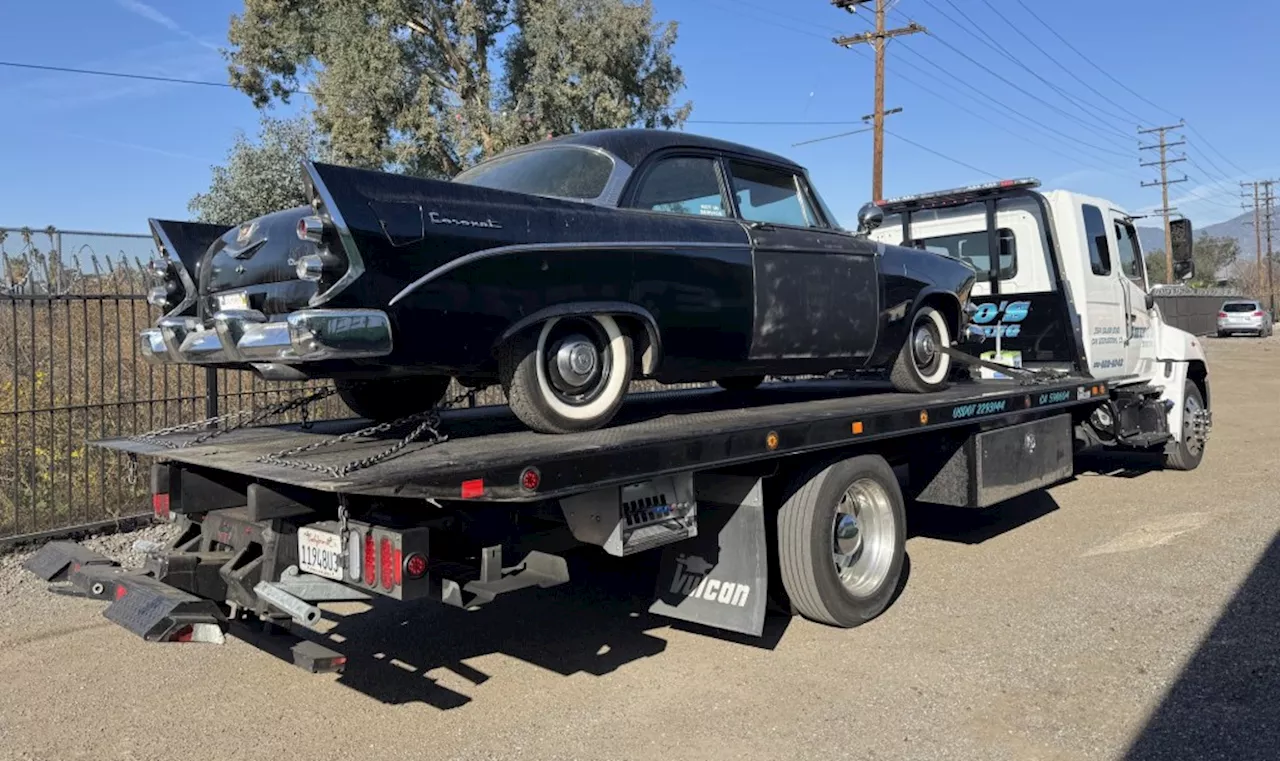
pixel 1099 249
pixel 1130 261
pixel 972 249
pixel 771 195
pixel 682 185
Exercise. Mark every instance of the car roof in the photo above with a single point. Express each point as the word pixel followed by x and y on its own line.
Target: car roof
pixel 634 145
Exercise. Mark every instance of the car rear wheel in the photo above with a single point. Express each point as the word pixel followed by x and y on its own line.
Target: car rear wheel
pixel 921 366
pixel 388 399
pixel 568 374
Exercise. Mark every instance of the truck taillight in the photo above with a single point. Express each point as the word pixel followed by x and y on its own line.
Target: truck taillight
pixel 353 556
pixel 160 506
pixel 390 566
pixel 370 560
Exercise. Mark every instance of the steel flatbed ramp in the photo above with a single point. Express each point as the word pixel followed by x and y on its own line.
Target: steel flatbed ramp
pixel 488 450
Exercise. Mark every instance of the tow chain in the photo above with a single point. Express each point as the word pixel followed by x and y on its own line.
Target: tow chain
pixel 425 428
pixel 238 420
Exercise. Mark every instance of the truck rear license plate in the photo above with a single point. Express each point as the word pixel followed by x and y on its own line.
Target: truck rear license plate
pixel 320 552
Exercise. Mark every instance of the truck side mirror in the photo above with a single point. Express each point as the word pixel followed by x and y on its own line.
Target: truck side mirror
pixel 1182 248
pixel 870 217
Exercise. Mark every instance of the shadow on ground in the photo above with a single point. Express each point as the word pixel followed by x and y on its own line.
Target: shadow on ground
pixel 1226 702
pixel 596 624
pixel 974 526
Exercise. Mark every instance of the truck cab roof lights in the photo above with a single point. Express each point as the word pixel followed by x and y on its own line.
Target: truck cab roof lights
pixel 954 195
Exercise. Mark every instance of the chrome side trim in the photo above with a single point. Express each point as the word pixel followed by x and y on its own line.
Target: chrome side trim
pixel 522 248
pixel 189 292
pixel 355 264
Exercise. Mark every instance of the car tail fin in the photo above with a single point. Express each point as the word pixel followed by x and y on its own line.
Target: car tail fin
pixel 186 242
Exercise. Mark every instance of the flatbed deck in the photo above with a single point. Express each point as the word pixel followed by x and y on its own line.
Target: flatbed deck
pixel 487 449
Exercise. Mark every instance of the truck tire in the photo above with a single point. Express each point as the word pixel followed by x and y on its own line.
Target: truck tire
pixel 387 399
pixel 567 374
pixel 920 367
pixel 1184 455
pixel 841 541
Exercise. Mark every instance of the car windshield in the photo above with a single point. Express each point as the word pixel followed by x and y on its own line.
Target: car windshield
pixel 1240 306
pixel 556 171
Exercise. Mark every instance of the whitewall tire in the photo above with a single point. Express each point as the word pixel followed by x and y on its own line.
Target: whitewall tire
pixel 567 374
pixel 921 366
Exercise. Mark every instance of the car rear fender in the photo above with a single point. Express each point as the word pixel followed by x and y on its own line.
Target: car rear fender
pixel 650 352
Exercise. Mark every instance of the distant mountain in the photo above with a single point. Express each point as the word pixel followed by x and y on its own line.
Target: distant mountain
pixel 1240 228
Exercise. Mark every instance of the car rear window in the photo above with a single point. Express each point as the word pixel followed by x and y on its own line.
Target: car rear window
pixel 556 171
pixel 1240 306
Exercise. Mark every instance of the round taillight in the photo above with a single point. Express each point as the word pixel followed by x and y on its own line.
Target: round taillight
pixel 415 566
pixel 311 229
pixel 530 479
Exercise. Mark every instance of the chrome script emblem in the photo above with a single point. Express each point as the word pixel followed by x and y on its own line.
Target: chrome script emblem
pixel 438 219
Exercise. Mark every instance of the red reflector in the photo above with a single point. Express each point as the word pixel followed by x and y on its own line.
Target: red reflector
pixel 473 488
pixel 160 505
pixel 183 635
pixel 415 566
pixel 530 479
pixel 370 560
pixel 389 566
pixel 121 591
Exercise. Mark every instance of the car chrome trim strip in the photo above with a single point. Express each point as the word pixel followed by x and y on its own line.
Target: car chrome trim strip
pixel 523 248
pixel 355 264
pixel 189 293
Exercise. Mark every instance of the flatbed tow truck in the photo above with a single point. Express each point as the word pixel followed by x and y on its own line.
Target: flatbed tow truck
pixel 791 497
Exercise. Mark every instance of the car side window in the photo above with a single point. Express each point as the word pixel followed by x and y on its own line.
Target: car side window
pixel 1099 246
pixel 775 196
pixel 1130 261
pixel 682 185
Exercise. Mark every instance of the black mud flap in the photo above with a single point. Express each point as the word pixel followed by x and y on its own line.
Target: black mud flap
pixel 56 561
pixel 719 578
pixel 157 612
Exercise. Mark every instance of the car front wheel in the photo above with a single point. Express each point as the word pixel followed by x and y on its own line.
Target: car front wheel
pixel 568 374
pixel 921 365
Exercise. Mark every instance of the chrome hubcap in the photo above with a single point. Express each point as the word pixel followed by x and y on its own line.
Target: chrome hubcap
pixel 862 537
pixel 576 359
pixel 923 346
pixel 1194 426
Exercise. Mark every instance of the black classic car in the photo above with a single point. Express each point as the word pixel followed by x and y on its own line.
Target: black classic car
pixel 562 270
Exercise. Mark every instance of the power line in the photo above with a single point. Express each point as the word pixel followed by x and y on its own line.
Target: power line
pixel 942 155
pixel 982 35
pixel 1121 84
pixel 116 74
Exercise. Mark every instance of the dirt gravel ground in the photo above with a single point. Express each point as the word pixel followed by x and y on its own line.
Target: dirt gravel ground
pixel 1125 614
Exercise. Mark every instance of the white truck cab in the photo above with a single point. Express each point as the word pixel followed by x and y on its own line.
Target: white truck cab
pixel 1067 289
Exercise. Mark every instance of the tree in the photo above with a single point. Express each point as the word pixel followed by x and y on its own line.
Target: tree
pixel 1212 255
pixel 261 177
pixel 429 87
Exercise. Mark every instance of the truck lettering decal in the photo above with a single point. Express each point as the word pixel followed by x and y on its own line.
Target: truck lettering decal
pixel 690 580
pixel 981 408
pixel 991 318
pixel 1055 397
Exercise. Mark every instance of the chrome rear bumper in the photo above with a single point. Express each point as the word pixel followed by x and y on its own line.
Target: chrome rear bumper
pixel 238 336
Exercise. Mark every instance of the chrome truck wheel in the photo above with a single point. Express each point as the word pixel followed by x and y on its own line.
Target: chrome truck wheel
pixel 841 541
pixel 568 374
pixel 1188 451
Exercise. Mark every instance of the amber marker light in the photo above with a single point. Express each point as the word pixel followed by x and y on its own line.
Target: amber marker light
pixel 857 426
pixel 924 417
pixel 771 440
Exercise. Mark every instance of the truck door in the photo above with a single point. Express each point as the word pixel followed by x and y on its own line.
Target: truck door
pixel 817 289
pixel 1106 316
pixel 1139 343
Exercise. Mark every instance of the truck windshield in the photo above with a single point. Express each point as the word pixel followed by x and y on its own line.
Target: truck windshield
pixel 556 171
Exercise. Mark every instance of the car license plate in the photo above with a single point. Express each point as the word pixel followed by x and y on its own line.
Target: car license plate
pixel 229 301
pixel 320 552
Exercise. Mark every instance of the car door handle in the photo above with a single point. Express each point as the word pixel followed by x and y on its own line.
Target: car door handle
pixel 761 226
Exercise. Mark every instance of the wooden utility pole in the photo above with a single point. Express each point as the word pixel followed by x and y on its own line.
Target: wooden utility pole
pixel 1164 182
pixel 878 39
pixel 1269 208
pixel 1257 227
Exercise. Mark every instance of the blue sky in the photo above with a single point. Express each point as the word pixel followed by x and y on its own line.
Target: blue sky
pixel 84 152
